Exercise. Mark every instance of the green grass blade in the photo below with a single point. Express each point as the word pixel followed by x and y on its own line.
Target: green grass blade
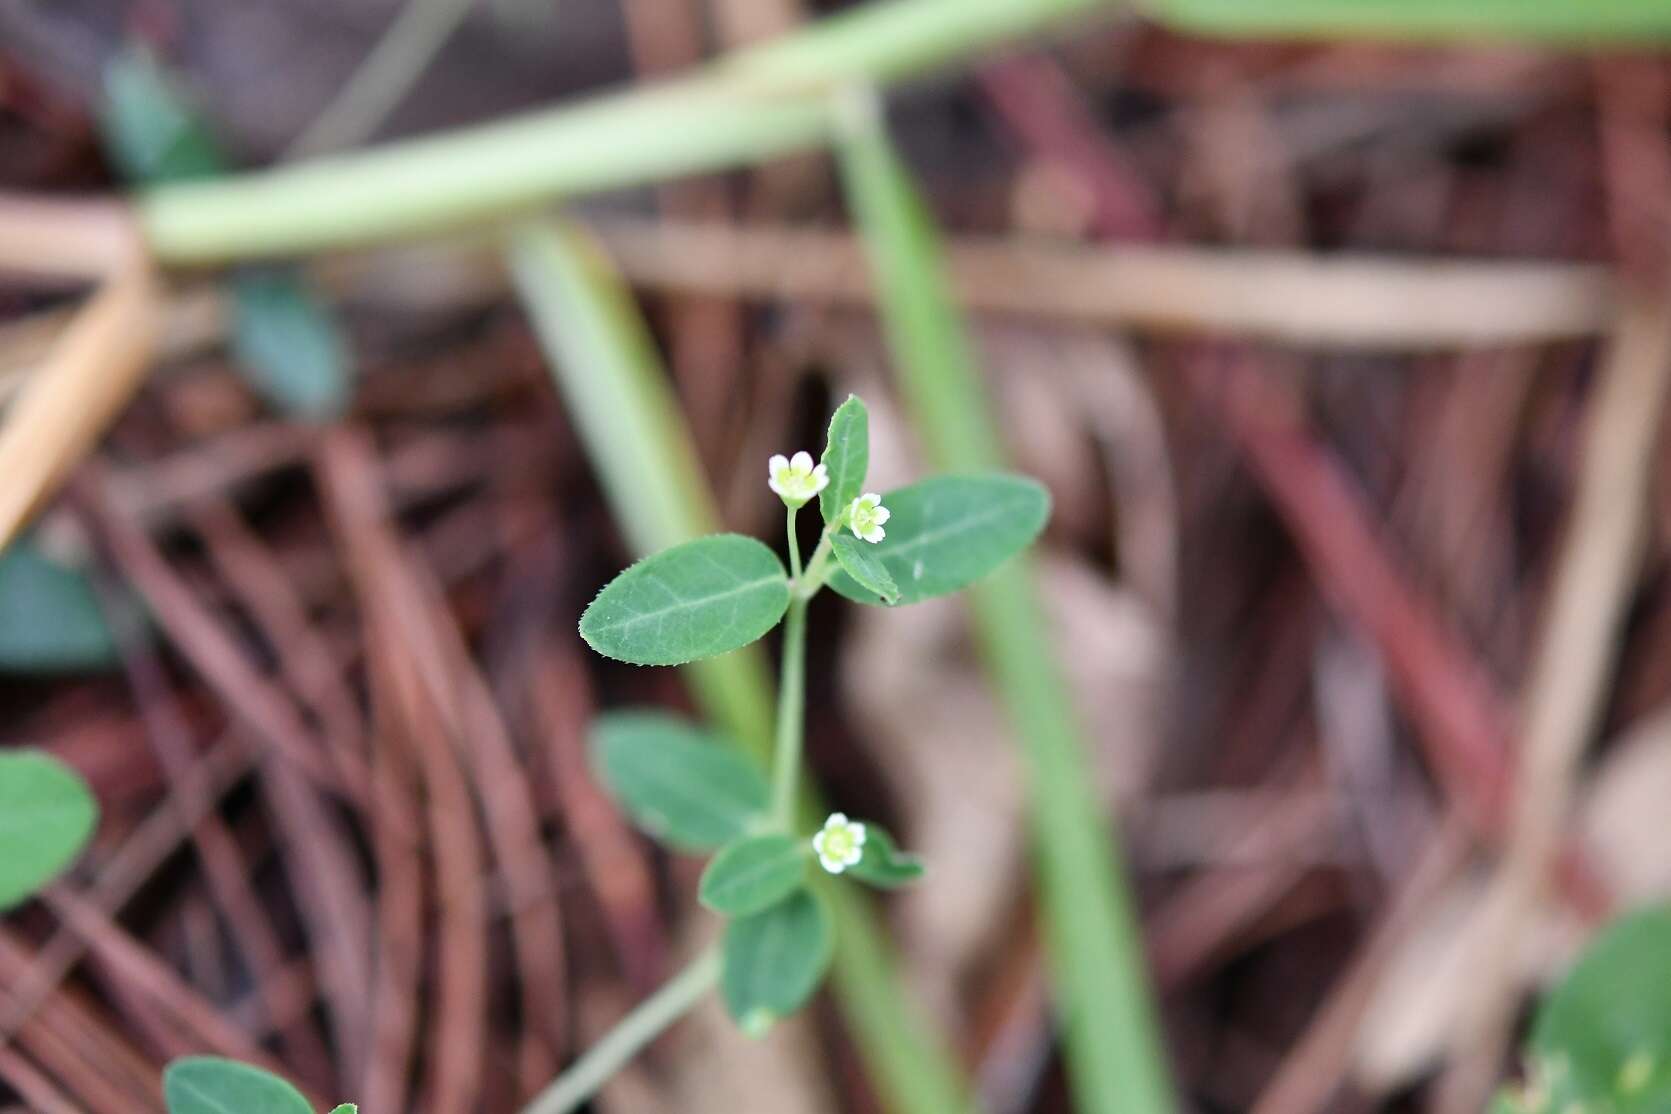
pixel 1560 21
pixel 1108 1019
pixel 617 396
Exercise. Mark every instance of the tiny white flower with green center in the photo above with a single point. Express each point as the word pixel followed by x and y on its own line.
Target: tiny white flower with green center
pixel 795 479
pixel 866 515
pixel 840 844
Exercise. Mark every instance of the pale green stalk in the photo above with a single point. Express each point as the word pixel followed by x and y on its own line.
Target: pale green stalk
pixel 653 1015
pixel 1110 1031
pixel 791 715
pixel 618 398
pixel 1567 21
pixel 757 104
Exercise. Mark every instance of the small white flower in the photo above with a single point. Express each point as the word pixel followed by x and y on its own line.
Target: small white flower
pixel 866 515
pixel 841 844
pixel 795 479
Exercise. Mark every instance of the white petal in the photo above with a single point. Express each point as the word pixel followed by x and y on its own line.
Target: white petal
pixel 818 842
pixel 874 534
pixel 882 515
pixel 836 820
pixel 777 464
pixel 858 831
pixel 821 471
pixel 871 499
pixel 801 461
pixel 853 857
pixel 834 866
pixel 819 481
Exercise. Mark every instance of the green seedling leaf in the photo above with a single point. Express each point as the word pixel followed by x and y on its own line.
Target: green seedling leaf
pixel 50 619
pixel 150 129
pixel 884 865
pixel 346 1108
pixel 47 815
pixel 846 457
pixel 774 961
pixel 288 344
pixel 1602 1039
pixel 209 1085
pixel 753 874
pixel 692 601
pixel 947 532
pixel 867 571
pixel 679 784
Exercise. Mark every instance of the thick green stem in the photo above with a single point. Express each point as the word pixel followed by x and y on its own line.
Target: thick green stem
pixel 758 104
pixel 791 716
pixel 637 1029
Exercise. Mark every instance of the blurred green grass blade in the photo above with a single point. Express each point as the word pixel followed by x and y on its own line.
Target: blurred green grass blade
pixel 1561 21
pixel 618 398
pixel 1102 997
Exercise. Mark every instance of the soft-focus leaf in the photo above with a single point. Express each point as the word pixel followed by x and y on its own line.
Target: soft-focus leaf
pixel 47 814
pixel 753 874
pixel 679 784
pixel 864 567
pixel 346 1108
pixel 1602 1039
pixel 775 960
pixel 946 533
pixel 846 457
pixel 692 601
pixel 50 617
pixel 150 129
pixel 884 865
pixel 288 344
pixel 209 1085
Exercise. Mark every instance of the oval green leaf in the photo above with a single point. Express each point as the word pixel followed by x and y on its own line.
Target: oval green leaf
pixel 679 784
pixel 1602 1039
pixel 288 344
pixel 346 1108
pixel 867 571
pixel 209 1085
pixel 947 532
pixel 50 618
pixel 846 457
pixel 775 960
pixel 753 874
pixel 695 600
pixel 884 865
pixel 47 814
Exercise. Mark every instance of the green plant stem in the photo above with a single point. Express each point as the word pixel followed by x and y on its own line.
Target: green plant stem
pixel 794 548
pixel 653 1015
pixel 791 716
pixel 1572 21
pixel 1111 1035
pixel 618 398
pixel 757 104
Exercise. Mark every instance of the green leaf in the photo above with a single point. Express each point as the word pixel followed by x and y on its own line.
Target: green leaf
pixel 288 344
pixel 753 874
pixel 846 457
pixel 884 865
pixel 209 1085
pixel 947 532
pixel 151 131
pixel 774 961
pixel 50 618
pixel 678 783
pixel 1602 1039
pixel 47 815
pixel 864 567
pixel 346 1108
pixel 692 601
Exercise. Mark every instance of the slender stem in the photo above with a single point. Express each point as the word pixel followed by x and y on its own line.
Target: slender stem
pixel 791 715
pixel 636 1030
pixel 794 548
pixel 813 579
